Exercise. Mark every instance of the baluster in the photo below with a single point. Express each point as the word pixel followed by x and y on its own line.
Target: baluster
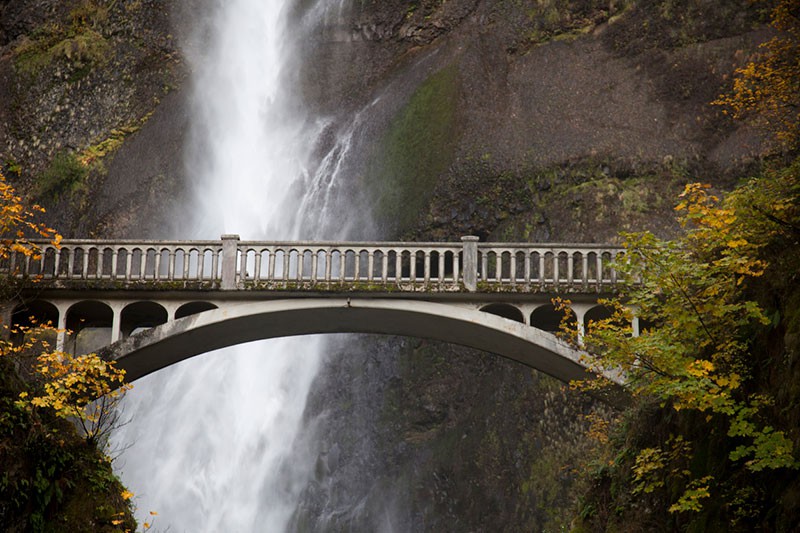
pixel 484 273
pixel 427 268
pixel 585 269
pixel 356 264
pixel 201 264
pixel 328 266
pixel 157 265
pixel 242 260
pixel 314 258
pixel 527 268
pixel 301 259
pixel 570 267
pixel 286 257
pixel 342 257
pixel 257 266
pixel 441 267
pixel 187 256
pixel 556 273
pixel 128 261
pixel 398 259
pixel 57 263
pixel 143 260
pixel 171 263
pixel 370 264
pixel 85 265
pixel 542 275
pixel 273 258
pixel 513 267
pixel 114 259
pixel 599 274
pixel 412 276
pixel 215 264
pixel 499 272
pixel 385 267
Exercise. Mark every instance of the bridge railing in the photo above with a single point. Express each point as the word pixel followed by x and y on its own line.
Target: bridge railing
pixel 120 260
pixel 232 264
pixel 548 266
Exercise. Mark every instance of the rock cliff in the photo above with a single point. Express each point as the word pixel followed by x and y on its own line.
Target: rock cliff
pixel 509 119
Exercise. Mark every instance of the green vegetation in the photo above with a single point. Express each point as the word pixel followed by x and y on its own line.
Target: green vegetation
pixel 53 478
pixel 560 20
pixel 93 154
pixel 712 441
pixel 66 175
pixel 417 149
pixel 78 42
pixel 700 366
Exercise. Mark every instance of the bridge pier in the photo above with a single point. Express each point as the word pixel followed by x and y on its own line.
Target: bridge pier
pixel 230 248
pixel 61 338
pixel 470 255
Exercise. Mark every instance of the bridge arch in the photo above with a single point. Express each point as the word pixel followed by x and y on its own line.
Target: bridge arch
pixel 192 308
pixel 90 323
pixel 594 314
pixel 548 318
pixel 181 339
pixel 143 314
pixel 35 312
pixel 504 310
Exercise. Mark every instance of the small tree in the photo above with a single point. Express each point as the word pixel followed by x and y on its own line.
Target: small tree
pixel 695 353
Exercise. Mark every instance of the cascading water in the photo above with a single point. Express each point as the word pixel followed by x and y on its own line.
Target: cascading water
pixel 209 439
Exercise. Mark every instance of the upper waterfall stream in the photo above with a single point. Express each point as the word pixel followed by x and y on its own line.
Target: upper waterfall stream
pixel 209 442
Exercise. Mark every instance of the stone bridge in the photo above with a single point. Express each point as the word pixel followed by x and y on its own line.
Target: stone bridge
pixel 150 304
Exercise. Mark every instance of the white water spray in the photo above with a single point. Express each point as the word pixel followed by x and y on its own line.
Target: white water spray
pixel 210 437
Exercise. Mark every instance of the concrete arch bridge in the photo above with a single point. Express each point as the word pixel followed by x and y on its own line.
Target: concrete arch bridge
pixel 150 304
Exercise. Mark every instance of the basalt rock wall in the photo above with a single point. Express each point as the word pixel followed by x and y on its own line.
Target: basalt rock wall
pixel 509 119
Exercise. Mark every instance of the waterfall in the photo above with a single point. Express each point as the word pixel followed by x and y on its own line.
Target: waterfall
pixel 209 439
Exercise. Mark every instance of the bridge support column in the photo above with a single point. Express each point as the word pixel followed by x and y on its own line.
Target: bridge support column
pixel 580 311
pixel 116 323
pixel 61 336
pixel 470 258
pixel 230 248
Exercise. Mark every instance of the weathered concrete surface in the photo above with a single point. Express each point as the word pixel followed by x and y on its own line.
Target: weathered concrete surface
pixel 181 339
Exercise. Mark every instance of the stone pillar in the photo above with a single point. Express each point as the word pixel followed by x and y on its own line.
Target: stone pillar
pixel 470 262
pixel 61 338
pixel 116 323
pixel 230 248
pixel 635 326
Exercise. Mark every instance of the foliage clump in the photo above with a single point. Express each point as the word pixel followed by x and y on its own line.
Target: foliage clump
pixel 53 478
pixel 66 176
pixel 79 42
pixel 767 89
pixel 708 305
pixel 712 440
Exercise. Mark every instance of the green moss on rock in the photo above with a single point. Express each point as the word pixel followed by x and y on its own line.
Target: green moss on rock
pixel 416 149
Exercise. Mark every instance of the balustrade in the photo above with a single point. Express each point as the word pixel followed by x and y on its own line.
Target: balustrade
pixel 236 264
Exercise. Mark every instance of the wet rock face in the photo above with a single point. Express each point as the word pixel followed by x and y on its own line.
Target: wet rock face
pixel 434 437
pixel 536 86
pixel 537 120
pixel 566 121
pixel 78 79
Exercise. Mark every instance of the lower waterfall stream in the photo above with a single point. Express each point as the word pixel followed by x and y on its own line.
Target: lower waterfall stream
pixel 209 440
